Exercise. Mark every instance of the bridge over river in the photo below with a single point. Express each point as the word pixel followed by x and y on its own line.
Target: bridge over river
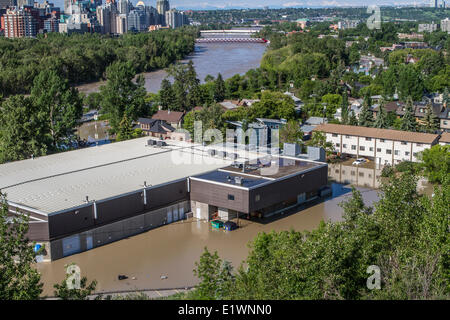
pixel 230 36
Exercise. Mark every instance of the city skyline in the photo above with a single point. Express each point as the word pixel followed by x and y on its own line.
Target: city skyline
pixel 255 4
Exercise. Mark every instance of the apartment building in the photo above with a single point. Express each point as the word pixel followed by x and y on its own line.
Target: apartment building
pixel 384 146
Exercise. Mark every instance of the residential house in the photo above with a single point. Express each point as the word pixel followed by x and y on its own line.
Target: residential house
pixel 384 146
pixel 174 118
pixel 310 124
pixel 444 140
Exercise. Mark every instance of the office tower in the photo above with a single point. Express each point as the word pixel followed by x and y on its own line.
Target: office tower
pixel 19 23
pixel 433 3
pixel 162 6
pixel 123 6
pixel 445 25
pixel 175 19
pixel 6 3
pixel 121 23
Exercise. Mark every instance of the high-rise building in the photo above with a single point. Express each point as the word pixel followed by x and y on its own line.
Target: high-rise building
pixel 121 23
pixel 123 6
pixel 22 3
pixel 106 17
pixel 6 3
pixel 162 6
pixel 20 23
pixel 175 19
pixel 445 25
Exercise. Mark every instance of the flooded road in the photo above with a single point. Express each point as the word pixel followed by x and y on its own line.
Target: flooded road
pixel 208 58
pixel 172 250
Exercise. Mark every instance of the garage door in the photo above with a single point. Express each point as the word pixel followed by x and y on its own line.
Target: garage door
pixel 71 245
pixel 169 215
pixel 181 214
pixel 175 214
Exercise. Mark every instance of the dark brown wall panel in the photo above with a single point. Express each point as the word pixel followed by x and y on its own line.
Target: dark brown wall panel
pixel 288 188
pixel 70 222
pixel 38 231
pixel 217 195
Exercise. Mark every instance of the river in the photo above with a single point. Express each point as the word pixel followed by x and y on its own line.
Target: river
pixel 227 59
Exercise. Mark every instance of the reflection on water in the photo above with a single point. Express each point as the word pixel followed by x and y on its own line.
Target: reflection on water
pixel 94 132
pixel 208 58
pixel 172 250
pixel 368 176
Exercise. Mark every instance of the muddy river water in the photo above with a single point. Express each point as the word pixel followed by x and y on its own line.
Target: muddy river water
pixel 172 250
pixel 208 58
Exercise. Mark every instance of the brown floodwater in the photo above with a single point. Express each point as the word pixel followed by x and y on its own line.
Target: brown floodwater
pixel 172 250
pixel 227 59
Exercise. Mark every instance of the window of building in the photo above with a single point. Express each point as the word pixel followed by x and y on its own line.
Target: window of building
pixel 406 153
pixel 404 143
pixel 418 144
pixel 371 149
pixel 348 137
pixel 396 152
pixel 415 154
pixel 361 174
pixel 344 146
pixel 230 197
pixel 378 149
pixel 334 135
pixel 445 122
pixel 257 197
pixel 381 140
pixel 368 139
pixel 353 147
pixel 388 151
pixel 362 148
pixel 338 145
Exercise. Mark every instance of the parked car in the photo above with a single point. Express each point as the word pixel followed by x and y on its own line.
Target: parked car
pixel 359 161
pixel 230 226
pixel 217 224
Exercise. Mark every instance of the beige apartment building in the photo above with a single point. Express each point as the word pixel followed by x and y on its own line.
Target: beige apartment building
pixel 384 146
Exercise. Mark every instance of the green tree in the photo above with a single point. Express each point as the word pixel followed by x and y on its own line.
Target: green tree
pixel 319 139
pixel 125 130
pixel 430 119
pixel 408 121
pixel 381 120
pixel 59 106
pixel 273 105
pixel 19 280
pixel 122 95
pixel 70 291
pixel 291 133
pixel 344 108
pixel 167 96
pixel 366 115
pixel 219 89
pixel 436 163
pixel 207 270
pixel 353 121
pixel 22 134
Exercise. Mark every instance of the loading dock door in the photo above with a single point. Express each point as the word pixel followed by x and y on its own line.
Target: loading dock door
pixel 169 215
pixel 175 214
pixel 301 198
pixel 89 243
pixel 71 245
pixel 181 213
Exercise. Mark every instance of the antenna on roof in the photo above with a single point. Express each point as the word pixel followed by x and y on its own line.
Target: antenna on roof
pixel 87 199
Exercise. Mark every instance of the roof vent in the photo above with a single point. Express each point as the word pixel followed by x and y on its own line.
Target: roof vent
pixel 238 180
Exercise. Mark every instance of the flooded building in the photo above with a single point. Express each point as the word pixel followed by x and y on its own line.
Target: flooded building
pixel 82 199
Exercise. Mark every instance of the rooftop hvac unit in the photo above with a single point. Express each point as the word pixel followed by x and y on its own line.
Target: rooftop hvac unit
pixel 151 142
pixel 238 180
pixel 212 152
pixel 233 156
pixel 160 143
pixel 222 154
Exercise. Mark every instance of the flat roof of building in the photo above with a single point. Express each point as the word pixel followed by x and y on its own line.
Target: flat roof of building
pixel 387 134
pixel 61 181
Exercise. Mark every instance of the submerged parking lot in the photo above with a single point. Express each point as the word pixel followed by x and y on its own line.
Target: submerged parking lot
pixel 164 257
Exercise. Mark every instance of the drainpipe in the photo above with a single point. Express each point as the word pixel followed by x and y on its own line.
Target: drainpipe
pixel 145 193
pixel 94 204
